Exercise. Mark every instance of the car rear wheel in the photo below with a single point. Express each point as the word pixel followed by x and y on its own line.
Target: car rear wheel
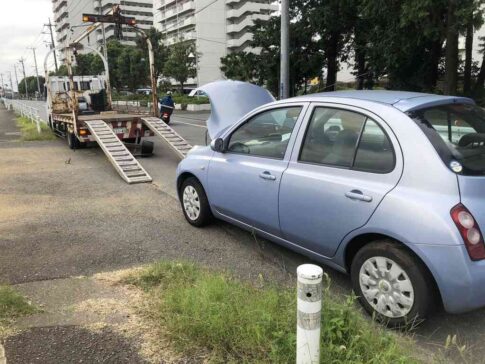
pixel 392 285
pixel 195 204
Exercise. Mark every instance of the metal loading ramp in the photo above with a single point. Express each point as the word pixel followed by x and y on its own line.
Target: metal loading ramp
pixel 176 142
pixel 119 156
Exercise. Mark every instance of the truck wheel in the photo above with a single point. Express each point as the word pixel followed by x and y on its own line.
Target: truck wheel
pixel 392 285
pixel 72 141
pixel 195 204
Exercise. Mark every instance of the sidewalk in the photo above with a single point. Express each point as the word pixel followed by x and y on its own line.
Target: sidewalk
pixel 83 320
pixel 8 129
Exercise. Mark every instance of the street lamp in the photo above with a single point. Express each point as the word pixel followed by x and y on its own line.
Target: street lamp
pixel 192 56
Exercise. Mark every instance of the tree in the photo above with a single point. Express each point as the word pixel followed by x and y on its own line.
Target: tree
pixel 332 22
pixel 181 62
pixel 114 50
pixel 404 41
pixel 240 66
pixel 132 67
pixel 88 64
pixel 479 84
pixel 160 51
pixel 31 85
pixel 451 57
pixel 306 56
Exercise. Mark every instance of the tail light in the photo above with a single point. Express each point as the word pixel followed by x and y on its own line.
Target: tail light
pixel 165 115
pixel 470 232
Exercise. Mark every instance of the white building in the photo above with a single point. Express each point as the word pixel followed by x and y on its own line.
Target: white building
pixel 68 19
pixel 218 28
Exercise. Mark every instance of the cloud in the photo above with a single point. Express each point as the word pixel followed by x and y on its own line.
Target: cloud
pixel 21 26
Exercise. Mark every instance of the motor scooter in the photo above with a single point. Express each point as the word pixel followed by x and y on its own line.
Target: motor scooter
pixel 166 113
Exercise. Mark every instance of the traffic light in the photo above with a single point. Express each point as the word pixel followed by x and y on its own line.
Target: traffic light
pixel 114 18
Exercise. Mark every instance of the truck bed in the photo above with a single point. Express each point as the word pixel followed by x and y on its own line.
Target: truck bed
pixel 104 117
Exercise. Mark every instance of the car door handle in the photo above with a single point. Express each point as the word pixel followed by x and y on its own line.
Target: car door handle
pixel 267 175
pixel 358 195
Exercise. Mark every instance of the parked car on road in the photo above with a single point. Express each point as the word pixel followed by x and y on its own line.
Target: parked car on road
pixel 387 186
pixel 197 93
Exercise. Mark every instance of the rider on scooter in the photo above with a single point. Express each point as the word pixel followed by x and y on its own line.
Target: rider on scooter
pixel 166 107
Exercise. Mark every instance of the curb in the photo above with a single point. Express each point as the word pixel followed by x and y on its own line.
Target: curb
pixel 3 359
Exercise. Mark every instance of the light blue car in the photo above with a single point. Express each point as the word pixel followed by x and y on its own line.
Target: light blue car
pixel 387 186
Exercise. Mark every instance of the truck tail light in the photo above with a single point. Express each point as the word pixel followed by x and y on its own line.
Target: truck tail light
pixel 84 132
pixel 470 231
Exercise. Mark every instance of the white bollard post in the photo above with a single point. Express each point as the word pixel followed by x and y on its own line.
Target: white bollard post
pixel 37 121
pixel 309 306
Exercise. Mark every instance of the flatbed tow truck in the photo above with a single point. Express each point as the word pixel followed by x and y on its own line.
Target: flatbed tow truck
pixel 80 109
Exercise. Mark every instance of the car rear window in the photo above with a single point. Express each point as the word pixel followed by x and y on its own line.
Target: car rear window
pixel 457 131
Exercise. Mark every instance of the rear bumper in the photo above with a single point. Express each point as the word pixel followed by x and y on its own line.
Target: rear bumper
pixel 460 280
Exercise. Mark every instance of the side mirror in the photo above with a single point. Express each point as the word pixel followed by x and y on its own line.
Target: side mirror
pixel 217 145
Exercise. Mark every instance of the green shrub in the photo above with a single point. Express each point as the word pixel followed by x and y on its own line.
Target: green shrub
pixel 237 322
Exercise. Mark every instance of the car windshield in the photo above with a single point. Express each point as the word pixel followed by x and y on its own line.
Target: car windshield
pixel 457 131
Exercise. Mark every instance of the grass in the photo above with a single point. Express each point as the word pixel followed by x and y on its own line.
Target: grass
pixel 233 321
pixel 13 305
pixel 29 132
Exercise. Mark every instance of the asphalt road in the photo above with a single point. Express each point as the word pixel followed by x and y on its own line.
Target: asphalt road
pixel 67 213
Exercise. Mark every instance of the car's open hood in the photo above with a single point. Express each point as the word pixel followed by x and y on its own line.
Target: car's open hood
pixel 230 101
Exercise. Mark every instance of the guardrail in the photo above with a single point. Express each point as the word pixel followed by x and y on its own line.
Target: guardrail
pixel 24 110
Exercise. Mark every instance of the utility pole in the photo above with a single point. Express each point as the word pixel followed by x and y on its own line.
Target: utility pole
pixel 22 61
pixel 103 30
pixel 285 47
pixel 36 71
pixel 16 78
pixel 3 85
pixel 53 45
pixel 11 84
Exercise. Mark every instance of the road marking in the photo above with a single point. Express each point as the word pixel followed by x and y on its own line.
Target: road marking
pixel 182 122
pixel 13 133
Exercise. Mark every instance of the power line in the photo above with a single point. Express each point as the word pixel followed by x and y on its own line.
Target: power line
pixel 53 45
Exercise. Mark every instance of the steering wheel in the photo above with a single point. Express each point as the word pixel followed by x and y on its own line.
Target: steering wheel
pixel 239 148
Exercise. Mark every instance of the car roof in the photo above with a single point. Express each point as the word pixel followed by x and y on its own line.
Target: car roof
pixel 402 100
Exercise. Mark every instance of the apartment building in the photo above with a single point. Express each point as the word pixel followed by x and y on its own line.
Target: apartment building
pixel 218 27
pixel 68 19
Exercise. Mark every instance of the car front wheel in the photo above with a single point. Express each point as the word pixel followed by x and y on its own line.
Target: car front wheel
pixel 195 204
pixel 392 285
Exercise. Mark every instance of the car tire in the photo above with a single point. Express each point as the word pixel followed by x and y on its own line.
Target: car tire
pixel 391 284
pixel 194 202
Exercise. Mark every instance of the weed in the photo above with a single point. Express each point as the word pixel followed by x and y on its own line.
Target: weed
pixel 13 304
pixel 29 132
pixel 233 321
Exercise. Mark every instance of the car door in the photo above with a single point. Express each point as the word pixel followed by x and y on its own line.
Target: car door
pixel 244 180
pixel 344 162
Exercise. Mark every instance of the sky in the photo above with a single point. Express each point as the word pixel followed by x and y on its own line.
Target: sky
pixel 21 27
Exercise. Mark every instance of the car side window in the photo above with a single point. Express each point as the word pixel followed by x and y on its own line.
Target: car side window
pixel 332 137
pixel 266 134
pixel 375 153
pixel 347 139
